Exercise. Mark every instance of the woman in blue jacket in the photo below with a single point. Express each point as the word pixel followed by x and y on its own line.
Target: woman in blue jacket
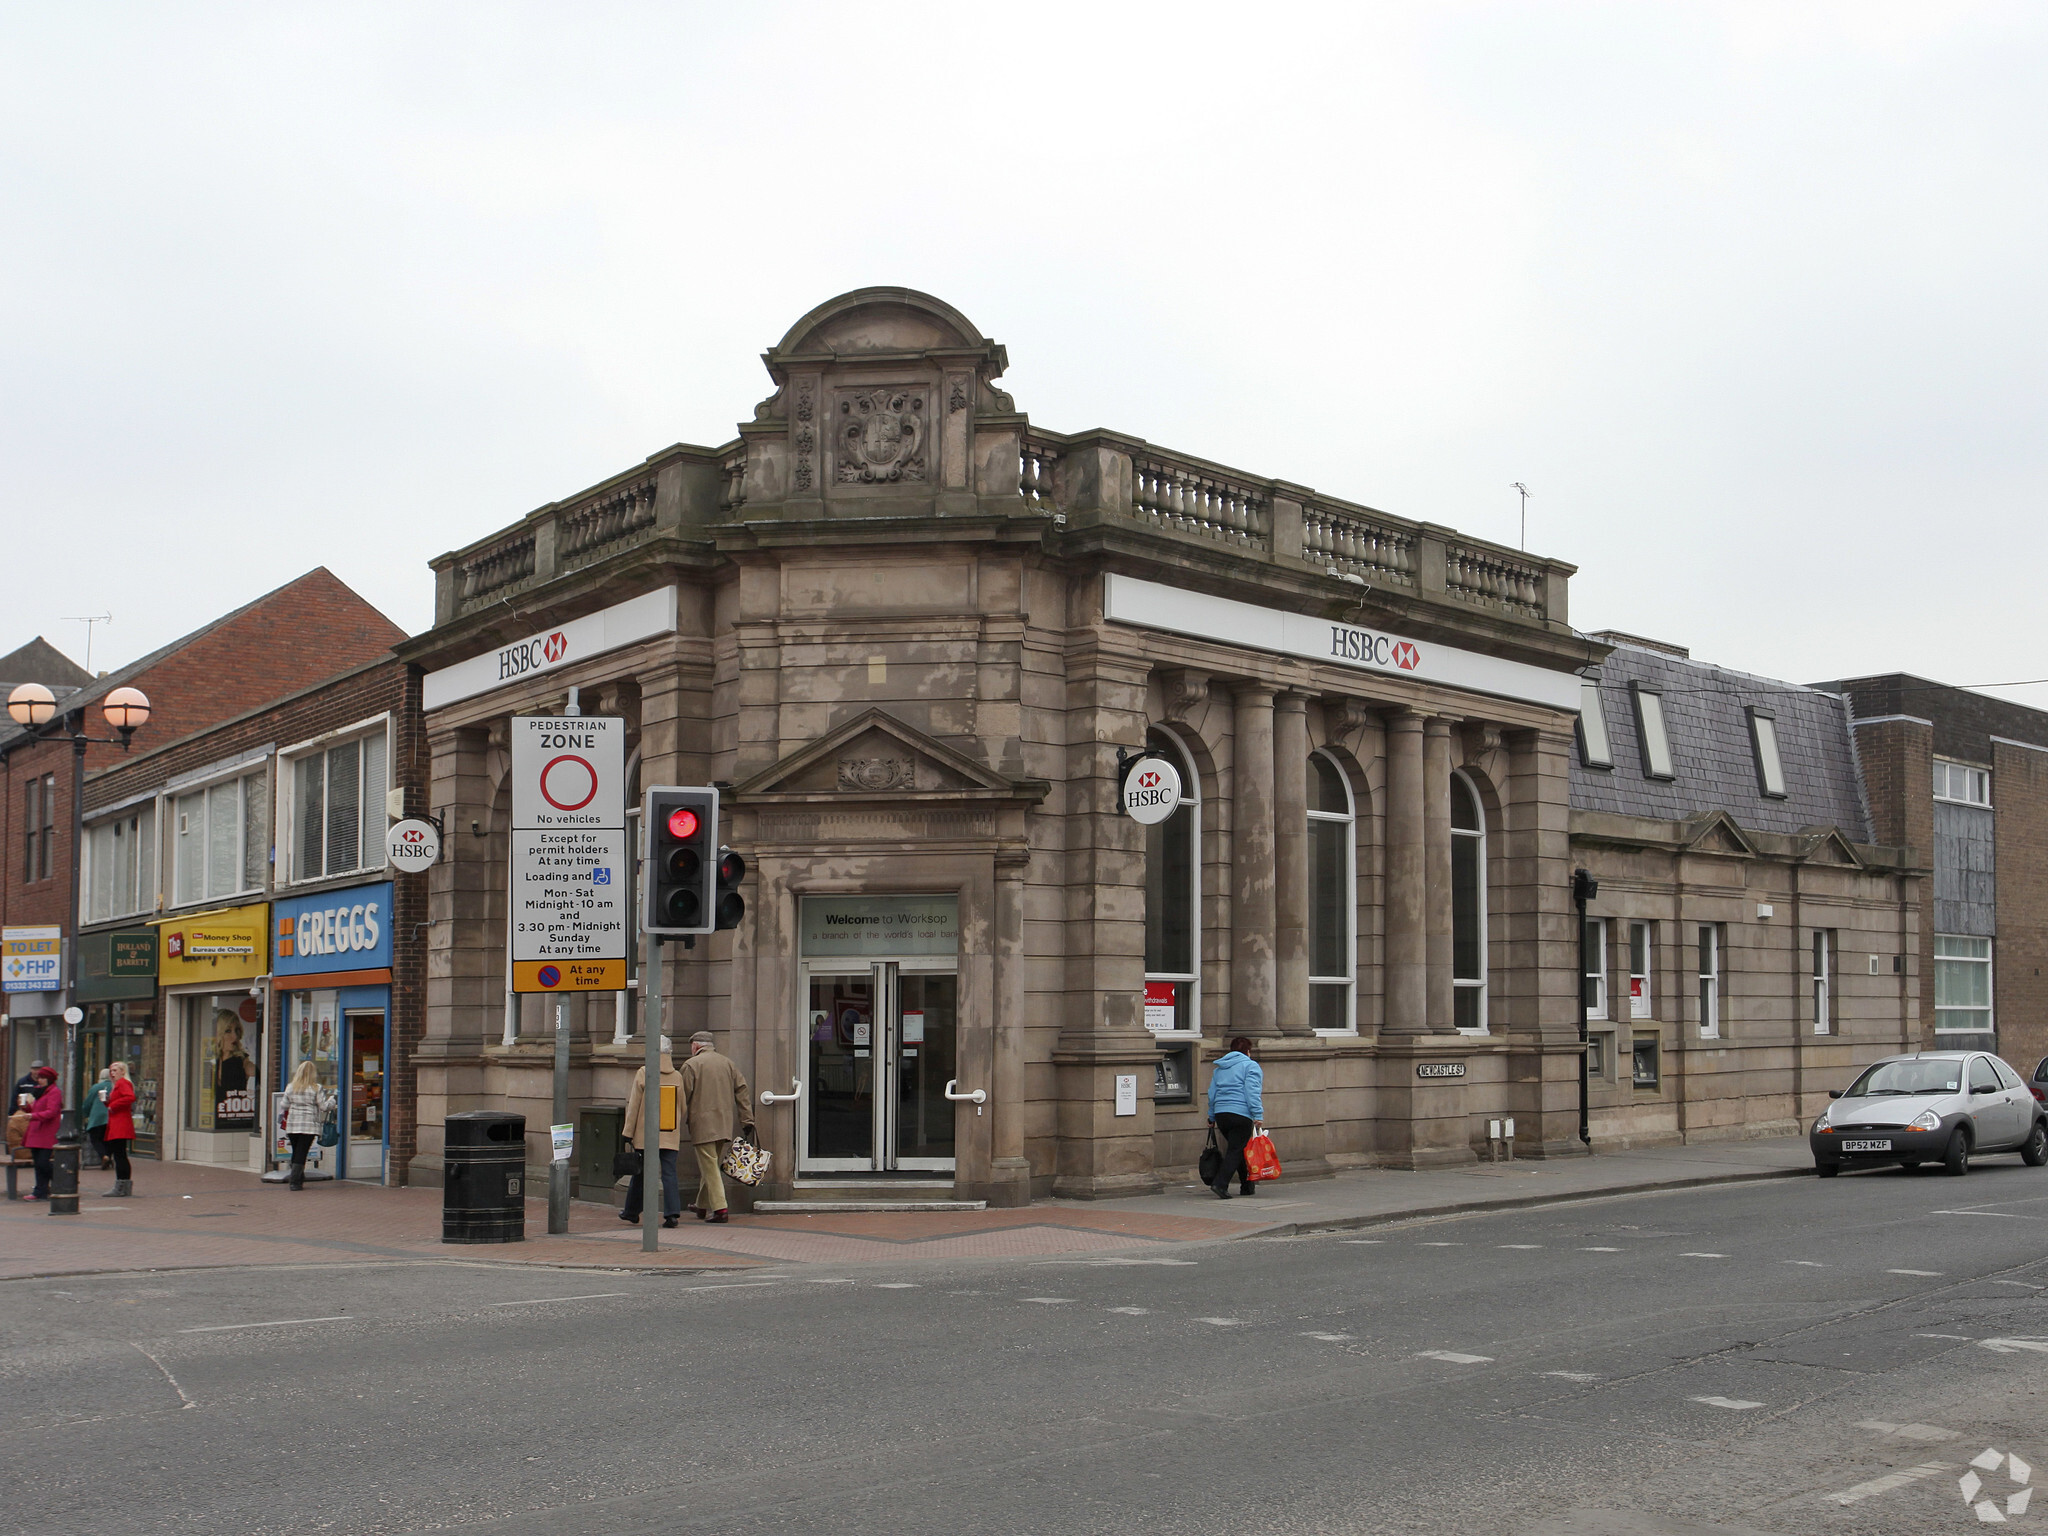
pixel 1236 1107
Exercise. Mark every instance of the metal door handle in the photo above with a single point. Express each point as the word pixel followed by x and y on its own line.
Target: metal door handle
pixel 979 1096
pixel 797 1091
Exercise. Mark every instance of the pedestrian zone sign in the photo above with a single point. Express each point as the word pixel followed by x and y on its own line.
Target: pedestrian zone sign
pixel 32 959
pixel 569 856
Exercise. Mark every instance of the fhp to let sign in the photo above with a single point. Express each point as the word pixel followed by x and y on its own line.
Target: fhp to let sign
pixel 1151 790
pixel 569 859
pixel 32 959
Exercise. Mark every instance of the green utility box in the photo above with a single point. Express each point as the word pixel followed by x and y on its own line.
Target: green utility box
pixel 600 1128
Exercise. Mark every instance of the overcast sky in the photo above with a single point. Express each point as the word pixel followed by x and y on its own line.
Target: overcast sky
pixel 1750 296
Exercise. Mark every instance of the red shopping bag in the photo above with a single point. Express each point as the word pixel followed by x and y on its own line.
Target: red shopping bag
pixel 1261 1162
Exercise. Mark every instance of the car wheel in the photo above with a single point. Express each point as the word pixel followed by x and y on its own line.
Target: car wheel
pixel 2034 1150
pixel 1827 1170
pixel 1955 1160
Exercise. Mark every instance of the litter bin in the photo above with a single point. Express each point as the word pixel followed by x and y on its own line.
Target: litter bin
pixel 600 1129
pixel 483 1199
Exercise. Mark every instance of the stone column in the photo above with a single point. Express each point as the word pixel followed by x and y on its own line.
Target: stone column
pixel 1436 870
pixel 1251 857
pixel 1010 1170
pixel 1290 863
pixel 1406 964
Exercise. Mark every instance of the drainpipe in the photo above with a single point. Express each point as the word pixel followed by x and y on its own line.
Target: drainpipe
pixel 1584 889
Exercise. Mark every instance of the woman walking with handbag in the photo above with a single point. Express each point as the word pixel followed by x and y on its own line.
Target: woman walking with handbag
pixel 120 1128
pixel 306 1105
pixel 1236 1106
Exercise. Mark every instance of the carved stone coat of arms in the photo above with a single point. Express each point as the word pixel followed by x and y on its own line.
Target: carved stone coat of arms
pixel 881 436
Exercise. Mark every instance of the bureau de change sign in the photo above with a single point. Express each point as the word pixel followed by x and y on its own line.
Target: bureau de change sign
pixel 568 906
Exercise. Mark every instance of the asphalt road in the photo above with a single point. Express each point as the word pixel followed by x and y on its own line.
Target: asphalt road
pixel 1697 1360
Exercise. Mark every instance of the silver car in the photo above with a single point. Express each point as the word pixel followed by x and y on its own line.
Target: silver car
pixel 1934 1106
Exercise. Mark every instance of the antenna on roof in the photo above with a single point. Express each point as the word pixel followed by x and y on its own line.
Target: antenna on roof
pixel 88 620
pixel 1525 513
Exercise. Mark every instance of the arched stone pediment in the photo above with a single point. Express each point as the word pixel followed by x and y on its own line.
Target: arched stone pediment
pixel 880 320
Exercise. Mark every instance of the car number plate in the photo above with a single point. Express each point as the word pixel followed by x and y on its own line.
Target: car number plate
pixel 1866 1146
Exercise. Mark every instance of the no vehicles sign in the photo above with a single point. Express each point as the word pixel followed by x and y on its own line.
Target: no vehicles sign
pixel 568 907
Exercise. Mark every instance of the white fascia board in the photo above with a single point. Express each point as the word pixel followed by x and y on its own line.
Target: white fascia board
pixel 609 629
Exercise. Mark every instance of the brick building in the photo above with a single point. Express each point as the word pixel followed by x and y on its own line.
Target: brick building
pixel 1753 941
pixel 309 629
pixel 1964 778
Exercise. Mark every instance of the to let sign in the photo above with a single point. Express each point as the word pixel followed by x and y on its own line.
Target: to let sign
pixel 568 908
pixel 31 959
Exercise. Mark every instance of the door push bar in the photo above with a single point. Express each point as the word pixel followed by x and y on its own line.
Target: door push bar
pixel 977 1098
pixel 796 1085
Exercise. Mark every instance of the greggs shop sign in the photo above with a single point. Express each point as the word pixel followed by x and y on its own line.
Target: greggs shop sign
pixel 334 931
pixel 228 945
pixel 638 618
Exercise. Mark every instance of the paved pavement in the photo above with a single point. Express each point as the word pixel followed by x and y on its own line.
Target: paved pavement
pixel 185 1215
pixel 1857 1357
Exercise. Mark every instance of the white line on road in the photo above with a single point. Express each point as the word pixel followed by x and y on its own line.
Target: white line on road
pixel 1571 1375
pixel 1703 1255
pixel 1365 1242
pixel 183 1400
pixel 1888 1482
pixel 1518 1245
pixel 1132 1311
pixel 1454 1357
pixel 1725 1402
pixel 2013 1346
pixel 2007 1215
pixel 283 1322
pixel 1925 1274
pixel 538 1300
pixel 1806 1263
pixel 896 1285
pixel 1330 1338
pixel 1050 1301
pixel 1222 1322
pixel 2023 1285
pixel 1958 1338
pixel 1439 1245
pixel 1599 1250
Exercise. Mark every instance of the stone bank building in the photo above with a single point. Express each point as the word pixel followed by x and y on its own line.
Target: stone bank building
pixel 909 633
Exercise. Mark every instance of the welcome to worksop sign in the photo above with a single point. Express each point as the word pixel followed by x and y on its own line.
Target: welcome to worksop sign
pixel 1130 600
pixel 638 618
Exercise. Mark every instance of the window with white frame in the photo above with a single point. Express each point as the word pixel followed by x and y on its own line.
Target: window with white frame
pixel 1468 908
pixel 1639 972
pixel 220 838
pixel 1823 980
pixel 1594 751
pixel 1173 902
pixel 1650 732
pixel 1710 980
pixel 1763 741
pixel 1961 783
pixel 120 863
pixel 1332 897
pixel 1595 979
pixel 1962 984
pixel 337 808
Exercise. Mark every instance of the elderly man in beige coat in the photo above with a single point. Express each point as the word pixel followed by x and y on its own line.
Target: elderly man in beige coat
pixel 718 1104
pixel 671 1133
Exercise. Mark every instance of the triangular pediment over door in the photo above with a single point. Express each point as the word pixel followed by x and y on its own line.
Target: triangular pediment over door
pixel 875 754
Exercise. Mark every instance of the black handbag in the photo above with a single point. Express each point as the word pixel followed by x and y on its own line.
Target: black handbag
pixel 1211 1165
pixel 626 1161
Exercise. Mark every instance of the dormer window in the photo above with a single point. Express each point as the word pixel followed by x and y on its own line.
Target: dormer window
pixel 1650 731
pixel 1593 749
pixel 1763 740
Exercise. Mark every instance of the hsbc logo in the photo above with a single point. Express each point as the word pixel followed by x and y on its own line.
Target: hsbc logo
pixel 531 655
pixel 555 646
pixel 1149 779
pixel 1406 657
pixel 1374 650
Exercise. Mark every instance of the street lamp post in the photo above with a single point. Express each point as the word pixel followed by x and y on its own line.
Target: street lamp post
pixel 34 706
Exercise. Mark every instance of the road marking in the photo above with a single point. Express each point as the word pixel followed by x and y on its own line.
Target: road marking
pixel 1909 1431
pixel 183 1400
pixel 1703 1255
pixel 1925 1274
pixel 1808 1263
pixel 1364 1242
pixel 1184 1263
pixel 1133 1311
pixel 1959 1338
pixel 1725 1402
pixel 2007 1215
pixel 808 1280
pixel 540 1300
pixel 1050 1301
pixel 1222 1322
pixel 2013 1346
pixel 283 1322
pixel 2023 1285
pixel 1439 1245
pixel 895 1285
pixel 1519 1245
pixel 1599 1250
pixel 1330 1338
pixel 1454 1357
pixel 1571 1375
pixel 1888 1482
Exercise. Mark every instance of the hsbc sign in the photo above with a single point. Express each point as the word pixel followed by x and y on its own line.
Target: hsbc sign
pixel 639 618
pixel 1349 644
pixel 1151 790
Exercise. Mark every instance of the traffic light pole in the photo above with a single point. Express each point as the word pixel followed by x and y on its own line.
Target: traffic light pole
pixel 653 1197
pixel 558 1167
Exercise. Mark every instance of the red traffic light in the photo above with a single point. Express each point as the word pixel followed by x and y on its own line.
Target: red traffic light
pixel 682 822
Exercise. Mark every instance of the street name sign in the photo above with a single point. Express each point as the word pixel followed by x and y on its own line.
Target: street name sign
pixel 568 875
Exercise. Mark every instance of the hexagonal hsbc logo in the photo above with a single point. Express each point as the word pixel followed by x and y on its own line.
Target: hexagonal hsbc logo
pixel 1406 657
pixel 555 646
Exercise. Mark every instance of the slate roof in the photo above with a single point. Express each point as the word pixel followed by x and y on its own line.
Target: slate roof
pixel 1711 751
pixel 41 662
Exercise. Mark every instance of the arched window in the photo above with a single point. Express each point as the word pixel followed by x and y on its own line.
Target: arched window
pixel 1468 907
pixel 1173 902
pixel 1332 897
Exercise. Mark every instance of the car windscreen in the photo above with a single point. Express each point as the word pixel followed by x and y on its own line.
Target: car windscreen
pixel 1901 1077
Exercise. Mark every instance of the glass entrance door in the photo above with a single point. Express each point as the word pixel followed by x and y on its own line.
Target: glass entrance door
pixel 364 1157
pixel 880 1046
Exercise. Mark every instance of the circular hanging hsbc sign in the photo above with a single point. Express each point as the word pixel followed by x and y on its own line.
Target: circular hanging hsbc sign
pixel 412 845
pixel 1151 790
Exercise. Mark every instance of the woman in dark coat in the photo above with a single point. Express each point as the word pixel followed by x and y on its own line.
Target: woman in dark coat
pixel 42 1130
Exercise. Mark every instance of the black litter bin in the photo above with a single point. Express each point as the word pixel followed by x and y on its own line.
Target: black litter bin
pixel 484 1197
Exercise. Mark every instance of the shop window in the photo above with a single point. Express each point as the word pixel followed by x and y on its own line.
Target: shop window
pixel 1639 1005
pixel 1332 896
pixel 1962 984
pixel 1595 979
pixel 1650 732
pixel 120 864
pixel 220 1065
pixel 1468 908
pixel 1710 980
pixel 1594 751
pixel 1763 741
pixel 1645 1075
pixel 1961 783
pixel 337 806
pixel 1173 902
pixel 1823 980
pixel 220 839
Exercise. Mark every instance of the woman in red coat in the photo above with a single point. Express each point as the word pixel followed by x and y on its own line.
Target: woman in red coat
pixel 42 1130
pixel 121 1128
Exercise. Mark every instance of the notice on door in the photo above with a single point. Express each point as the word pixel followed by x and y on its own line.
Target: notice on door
pixel 568 874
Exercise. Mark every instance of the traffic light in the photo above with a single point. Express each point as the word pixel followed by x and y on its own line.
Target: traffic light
pixel 682 873
pixel 732 906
